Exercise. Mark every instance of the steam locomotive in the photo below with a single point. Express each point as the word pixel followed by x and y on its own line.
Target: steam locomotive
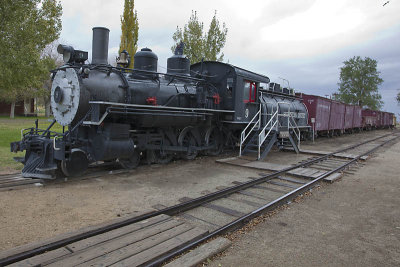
pixel 115 114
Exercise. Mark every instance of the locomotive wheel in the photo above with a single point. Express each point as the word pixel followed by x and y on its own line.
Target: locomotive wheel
pixel 187 140
pixel 213 137
pixel 161 157
pixel 76 165
pixel 132 162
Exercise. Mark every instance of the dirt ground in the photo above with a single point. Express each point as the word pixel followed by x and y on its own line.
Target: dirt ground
pixel 353 222
pixel 36 213
pixel 31 214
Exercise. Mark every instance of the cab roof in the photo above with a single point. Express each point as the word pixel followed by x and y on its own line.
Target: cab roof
pixel 224 67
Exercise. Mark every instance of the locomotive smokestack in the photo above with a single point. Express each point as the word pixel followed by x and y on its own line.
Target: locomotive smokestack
pixel 100 45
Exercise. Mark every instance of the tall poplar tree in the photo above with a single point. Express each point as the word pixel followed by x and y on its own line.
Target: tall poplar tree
pixel 215 40
pixel 130 30
pixel 359 81
pixel 198 44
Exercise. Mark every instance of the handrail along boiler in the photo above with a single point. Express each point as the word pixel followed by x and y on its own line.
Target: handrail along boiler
pixel 115 114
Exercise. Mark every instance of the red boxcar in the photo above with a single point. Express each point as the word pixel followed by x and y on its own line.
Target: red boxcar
pixel 318 110
pixel 357 117
pixel 369 118
pixel 331 116
pixel 348 117
pixel 336 119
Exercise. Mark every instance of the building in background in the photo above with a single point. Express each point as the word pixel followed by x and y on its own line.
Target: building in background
pixel 22 108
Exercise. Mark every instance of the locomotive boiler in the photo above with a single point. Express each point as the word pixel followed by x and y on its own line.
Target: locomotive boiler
pixel 115 114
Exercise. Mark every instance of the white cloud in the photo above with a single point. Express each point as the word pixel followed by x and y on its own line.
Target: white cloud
pixel 312 29
pixel 322 20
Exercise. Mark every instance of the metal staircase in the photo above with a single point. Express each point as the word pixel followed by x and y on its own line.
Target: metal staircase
pixel 261 141
pixel 249 131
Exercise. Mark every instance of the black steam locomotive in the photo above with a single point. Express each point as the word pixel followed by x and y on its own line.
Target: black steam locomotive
pixel 115 114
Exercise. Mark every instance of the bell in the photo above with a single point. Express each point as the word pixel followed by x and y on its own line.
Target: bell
pixel 123 59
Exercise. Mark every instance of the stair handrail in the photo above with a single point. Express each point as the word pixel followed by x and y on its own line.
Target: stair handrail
pixel 265 127
pixel 283 114
pixel 262 139
pixel 243 135
pixel 291 124
pixel 296 130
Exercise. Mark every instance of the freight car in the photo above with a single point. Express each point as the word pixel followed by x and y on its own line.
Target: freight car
pixel 328 117
pixel 319 110
pixel 369 119
pixel 374 119
pixel 115 114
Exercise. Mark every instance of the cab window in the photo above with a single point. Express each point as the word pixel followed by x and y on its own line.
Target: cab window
pixel 229 87
pixel 250 92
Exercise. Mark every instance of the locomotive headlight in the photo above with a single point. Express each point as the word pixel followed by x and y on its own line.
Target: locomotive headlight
pixel 70 55
pixel 67 52
pixel 66 56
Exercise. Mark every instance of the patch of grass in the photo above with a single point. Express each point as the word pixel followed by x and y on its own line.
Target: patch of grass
pixel 10 131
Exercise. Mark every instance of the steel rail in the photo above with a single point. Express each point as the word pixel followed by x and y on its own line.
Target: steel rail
pixel 173 210
pixel 267 207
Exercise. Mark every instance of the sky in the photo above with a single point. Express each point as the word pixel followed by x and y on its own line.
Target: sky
pixel 305 42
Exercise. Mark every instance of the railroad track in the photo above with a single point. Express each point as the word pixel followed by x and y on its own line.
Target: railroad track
pixel 189 223
pixel 16 181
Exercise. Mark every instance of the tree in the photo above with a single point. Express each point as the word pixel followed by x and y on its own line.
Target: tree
pixel 216 39
pixel 26 27
pixel 52 59
pixel 359 81
pixel 199 45
pixel 130 30
pixel 398 97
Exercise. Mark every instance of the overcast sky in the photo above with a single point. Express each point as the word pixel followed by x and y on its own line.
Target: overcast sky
pixel 303 41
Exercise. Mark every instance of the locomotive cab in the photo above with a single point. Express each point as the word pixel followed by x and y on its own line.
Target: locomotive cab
pixel 238 89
